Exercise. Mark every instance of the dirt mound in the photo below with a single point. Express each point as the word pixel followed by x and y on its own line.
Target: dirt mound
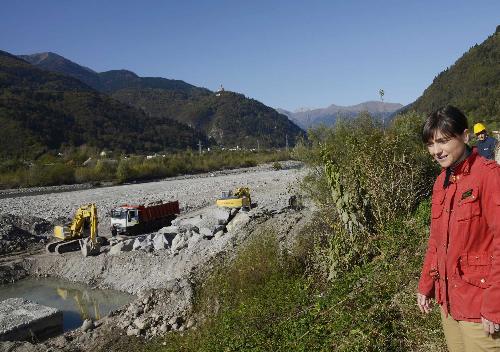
pixel 18 233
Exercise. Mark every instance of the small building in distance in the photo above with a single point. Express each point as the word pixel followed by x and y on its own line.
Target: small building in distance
pixel 220 91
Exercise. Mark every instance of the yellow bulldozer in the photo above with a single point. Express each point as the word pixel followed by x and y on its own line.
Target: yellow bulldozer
pixel 80 233
pixel 240 198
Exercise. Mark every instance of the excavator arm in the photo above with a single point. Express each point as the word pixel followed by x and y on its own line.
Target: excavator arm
pixel 86 213
pixel 73 236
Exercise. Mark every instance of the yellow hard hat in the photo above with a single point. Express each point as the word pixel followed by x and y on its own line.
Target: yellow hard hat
pixel 479 127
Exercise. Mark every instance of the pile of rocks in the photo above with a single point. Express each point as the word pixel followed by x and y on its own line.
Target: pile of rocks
pixel 183 233
pixel 18 233
pixel 158 311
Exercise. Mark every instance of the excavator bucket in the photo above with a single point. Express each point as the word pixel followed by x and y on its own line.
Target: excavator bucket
pixel 89 248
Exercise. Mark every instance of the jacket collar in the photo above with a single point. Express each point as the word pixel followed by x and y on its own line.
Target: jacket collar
pixel 463 168
pixel 452 174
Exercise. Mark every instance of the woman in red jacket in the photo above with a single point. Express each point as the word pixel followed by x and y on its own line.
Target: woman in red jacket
pixel 461 270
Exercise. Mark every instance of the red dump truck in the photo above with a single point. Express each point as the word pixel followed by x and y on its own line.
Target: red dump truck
pixel 138 219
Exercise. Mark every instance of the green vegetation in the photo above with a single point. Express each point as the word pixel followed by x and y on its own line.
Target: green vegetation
pixel 472 84
pixel 341 288
pixel 68 169
pixel 41 111
pixel 228 118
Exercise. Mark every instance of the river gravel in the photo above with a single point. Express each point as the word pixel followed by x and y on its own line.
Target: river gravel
pixel 269 188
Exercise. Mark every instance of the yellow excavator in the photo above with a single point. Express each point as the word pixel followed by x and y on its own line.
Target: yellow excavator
pixel 240 198
pixel 80 233
pixel 83 301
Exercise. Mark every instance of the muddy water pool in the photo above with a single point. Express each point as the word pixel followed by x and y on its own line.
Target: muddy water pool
pixel 77 301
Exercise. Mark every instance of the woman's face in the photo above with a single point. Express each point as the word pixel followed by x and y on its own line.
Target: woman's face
pixel 447 151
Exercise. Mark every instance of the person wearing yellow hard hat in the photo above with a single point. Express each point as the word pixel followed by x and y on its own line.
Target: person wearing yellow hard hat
pixel 486 144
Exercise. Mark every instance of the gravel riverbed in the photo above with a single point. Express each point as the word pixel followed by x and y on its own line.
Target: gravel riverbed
pixel 162 279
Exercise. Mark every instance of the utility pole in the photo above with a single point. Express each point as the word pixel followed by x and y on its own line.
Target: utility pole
pixel 381 93
pixel 199 146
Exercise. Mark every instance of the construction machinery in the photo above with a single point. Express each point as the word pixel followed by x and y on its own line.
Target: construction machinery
pixel 83 301
pixel 80 233
pixel 138 219
pixel 240 198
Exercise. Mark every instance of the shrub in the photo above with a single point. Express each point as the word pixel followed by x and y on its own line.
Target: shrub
pixel 277 165
pixel 50 175
pixel 364 177
pixel 124 171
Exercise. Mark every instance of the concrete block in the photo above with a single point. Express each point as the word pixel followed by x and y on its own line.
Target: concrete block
pixel 21 319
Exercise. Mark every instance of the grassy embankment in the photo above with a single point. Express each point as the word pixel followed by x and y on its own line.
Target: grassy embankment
pixel 52 170
pixel 349 284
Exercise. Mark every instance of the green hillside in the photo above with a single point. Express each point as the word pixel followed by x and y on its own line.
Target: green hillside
pixel 42 111
pixel 230 119
pixel 472 84
pixel 56 63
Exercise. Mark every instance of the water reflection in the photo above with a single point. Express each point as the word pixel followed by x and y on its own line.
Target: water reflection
pixel 77 301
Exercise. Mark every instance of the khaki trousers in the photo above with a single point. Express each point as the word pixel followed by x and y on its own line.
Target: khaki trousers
pixel 464 336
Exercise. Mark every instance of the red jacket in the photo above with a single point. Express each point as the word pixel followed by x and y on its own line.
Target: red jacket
pixel 462 265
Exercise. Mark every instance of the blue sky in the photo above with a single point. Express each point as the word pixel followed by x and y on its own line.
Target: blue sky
pixel 287 54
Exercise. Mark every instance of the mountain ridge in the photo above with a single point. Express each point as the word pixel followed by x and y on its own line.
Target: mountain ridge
pixel 42 111
pixel 472 84
pixel 328 116
pixel 223 117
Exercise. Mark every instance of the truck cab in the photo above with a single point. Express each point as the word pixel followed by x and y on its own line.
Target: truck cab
pixel 140 219
pixel 123 219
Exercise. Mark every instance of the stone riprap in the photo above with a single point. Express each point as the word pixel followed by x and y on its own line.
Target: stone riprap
pixel 21 319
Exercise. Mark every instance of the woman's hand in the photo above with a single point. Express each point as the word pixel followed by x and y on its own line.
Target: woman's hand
pixel 424 303
pixel 489 327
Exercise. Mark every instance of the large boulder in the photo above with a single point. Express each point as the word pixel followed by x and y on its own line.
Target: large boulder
pixel 160 242
pixel 238 222
pixel 122 246
pixel 179 243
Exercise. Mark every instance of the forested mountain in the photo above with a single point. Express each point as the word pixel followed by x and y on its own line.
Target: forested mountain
pixel 56 63
pixel 41 111
pixel 229 118
pixel 109 81
pixel 472 84
pixel 307 118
